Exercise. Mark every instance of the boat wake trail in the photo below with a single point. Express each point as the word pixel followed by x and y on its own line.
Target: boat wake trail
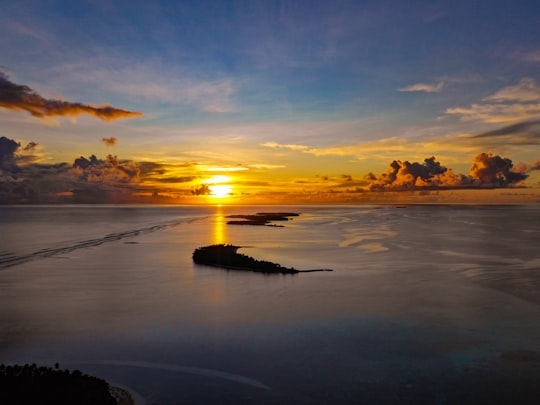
pixel 206 372
pixel 9 259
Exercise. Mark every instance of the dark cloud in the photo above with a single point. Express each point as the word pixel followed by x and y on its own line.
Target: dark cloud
pixel 152 168
pixel 8 147
pixel 523 133
pixel 89 179
pixel 252 183
pixel 29 182
pixel 85 163
pixel 203 189
pixel 23 98
pixel 183 179
pixel 109 141
pixel 307 181
pixel 30 146
pixel 487 171
pixel 110 170
pixel 23 180
pixel 495 171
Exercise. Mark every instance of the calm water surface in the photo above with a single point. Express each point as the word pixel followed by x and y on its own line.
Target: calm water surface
pixel 426 304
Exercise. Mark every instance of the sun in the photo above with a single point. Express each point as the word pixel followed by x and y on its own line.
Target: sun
pixel 220 191
pixel 218 188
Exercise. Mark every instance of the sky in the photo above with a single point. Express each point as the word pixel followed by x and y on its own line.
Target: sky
pixel 269 101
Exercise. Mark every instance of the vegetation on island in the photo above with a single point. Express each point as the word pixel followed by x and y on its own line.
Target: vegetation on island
pixel 227 257
pixel 30 384
pixel 261 218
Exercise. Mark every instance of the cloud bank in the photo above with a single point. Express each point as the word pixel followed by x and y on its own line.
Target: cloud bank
pixel 487 171
pixel 22 98
pixel 111 180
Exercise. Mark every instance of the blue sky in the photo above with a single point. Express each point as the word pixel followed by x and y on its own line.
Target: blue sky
pixel 311 88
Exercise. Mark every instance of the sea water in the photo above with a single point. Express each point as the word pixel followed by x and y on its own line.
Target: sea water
pixel 426 304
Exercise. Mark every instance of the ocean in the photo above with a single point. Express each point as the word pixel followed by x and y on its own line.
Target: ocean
pixel 426 304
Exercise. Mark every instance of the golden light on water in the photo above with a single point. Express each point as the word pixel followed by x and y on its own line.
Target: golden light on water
pixel 219 235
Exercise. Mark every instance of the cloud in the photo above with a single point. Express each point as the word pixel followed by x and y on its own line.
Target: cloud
pixel 524 167
pixel 12 154
pixel 174 180
pixel 110 170
pixel 495 171
pixel 263 166
pixel 525 90
pixel 109 141
pixel 23 98
pixel 497 113
pixel 30 146
pixel 519 102
pixel 528 130
pixel 237 168
pixel 8 147
pixel 203 189
pixel 423 87
pixel 88 179
pixel 276 145
pixel 487 171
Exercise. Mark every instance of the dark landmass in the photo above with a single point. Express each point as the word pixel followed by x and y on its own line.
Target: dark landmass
pixel 226 256
pixel 30 384
pixel 262 218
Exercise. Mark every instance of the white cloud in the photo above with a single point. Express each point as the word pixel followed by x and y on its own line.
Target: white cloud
pixel 510 104
pixel 525 90
pixel 276 145
pixel 497 113
pixel 423 87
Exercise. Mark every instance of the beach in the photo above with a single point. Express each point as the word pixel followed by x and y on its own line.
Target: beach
pixel 426 304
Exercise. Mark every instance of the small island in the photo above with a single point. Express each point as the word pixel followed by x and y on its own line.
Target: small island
pixel 227 257
pixel 261 218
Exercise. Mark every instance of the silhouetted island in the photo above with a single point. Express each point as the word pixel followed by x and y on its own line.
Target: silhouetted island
pixel 226 257
pixel 31 384
pixel 262 218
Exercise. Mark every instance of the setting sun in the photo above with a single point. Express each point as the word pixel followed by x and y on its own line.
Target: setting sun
pixel 217 187
pixel 220 191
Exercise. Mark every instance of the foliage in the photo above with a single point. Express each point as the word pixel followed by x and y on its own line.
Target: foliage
pixel 226 256
pixel 30 384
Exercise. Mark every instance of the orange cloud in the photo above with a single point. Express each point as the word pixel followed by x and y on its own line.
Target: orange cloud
pixel 23 98
pixel 487 171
